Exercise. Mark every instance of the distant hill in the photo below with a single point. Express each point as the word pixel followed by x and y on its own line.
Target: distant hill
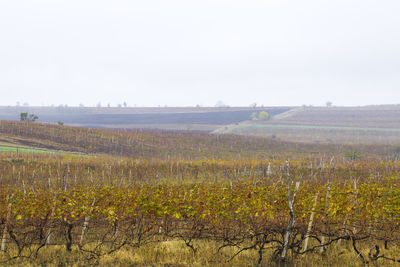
pixel 334 125
pixel 370 124
pixel 369 116
pixel 171 118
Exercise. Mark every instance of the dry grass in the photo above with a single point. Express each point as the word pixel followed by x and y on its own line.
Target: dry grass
pixel 175 253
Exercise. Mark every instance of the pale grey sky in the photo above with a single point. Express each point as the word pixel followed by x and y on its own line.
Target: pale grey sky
pixel 185 52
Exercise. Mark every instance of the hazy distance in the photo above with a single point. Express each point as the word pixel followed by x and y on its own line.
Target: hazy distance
pixel 184 53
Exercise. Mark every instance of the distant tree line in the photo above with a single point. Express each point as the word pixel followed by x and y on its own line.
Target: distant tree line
pixel 25 116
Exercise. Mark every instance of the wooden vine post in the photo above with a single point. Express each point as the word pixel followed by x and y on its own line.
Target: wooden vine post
pixel 328 190
pixel 49 231
pixel 86 223
pixel 310 222
pixel 5 230
pixel 291 200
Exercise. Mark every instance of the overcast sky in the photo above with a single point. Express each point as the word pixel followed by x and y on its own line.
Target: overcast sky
pixel 183 53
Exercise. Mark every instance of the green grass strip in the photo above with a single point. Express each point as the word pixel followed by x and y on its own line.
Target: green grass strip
pixel 27 150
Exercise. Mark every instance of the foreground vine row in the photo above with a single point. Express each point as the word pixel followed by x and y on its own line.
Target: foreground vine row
pixel 101 220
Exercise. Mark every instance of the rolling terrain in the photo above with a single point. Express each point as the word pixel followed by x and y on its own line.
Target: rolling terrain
pixel 372 124
pixel 174 198
pixel 164 144
pixel 334 125
pixel 171 118
pixel 155 143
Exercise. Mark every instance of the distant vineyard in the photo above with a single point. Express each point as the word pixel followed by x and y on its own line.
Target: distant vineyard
pixel 374 116
pixel 134 143
pixel 338 125
pixel 170 144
